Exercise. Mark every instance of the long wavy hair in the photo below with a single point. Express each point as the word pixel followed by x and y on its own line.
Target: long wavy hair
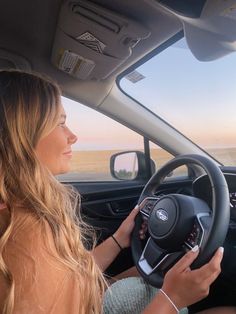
pixel 24 95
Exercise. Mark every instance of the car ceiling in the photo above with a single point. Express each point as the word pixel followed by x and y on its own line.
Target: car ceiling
pixel 27 35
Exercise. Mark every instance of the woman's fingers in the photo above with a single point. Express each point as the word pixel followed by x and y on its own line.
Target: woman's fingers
pixel 209 270
pixel 193 285
pixel 134 212
pixel 187 259
pixel 143 230
pixel 212 269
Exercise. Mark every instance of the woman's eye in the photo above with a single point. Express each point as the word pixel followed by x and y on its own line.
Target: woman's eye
pixel 62 124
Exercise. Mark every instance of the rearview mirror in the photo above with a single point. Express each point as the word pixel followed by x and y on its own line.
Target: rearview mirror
pixel 209 26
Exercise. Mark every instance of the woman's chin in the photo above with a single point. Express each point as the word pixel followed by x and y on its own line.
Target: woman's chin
pixel 60 171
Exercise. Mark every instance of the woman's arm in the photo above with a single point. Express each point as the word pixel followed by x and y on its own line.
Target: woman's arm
pixel 160 305
pixel 106 252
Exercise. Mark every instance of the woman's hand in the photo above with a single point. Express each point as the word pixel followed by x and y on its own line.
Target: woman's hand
pixel 143 230
pixel 185 286
pixel 123 234
pixel 106 252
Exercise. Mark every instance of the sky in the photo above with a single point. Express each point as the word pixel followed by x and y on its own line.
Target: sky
pixel 197 98
pixel 95 131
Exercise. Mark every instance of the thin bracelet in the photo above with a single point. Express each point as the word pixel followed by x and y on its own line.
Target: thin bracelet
pixel 121 248
pixel 169 299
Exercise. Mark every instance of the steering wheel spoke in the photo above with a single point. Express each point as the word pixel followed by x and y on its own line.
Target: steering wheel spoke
pixel 147 205
pixel 154 258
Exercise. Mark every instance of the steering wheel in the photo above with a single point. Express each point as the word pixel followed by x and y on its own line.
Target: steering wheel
pixel 177 222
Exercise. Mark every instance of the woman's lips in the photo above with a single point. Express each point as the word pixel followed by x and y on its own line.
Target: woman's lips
pixel 69 153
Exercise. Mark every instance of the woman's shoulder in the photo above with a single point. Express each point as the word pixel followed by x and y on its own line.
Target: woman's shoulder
pixel 40 277
pixel 21 220
pixel 29 231
pixel 19 214
pixel 31 239
pixel 24 218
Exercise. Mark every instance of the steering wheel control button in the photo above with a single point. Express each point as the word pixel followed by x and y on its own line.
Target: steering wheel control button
pixel 194 238
pixel 147 206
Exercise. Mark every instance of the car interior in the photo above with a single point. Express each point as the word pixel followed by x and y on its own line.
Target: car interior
pixel 88 48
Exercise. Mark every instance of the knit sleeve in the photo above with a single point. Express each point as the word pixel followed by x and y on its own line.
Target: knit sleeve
pixel 41 281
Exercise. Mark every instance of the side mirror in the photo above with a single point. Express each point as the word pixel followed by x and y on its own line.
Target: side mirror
pixel 130 165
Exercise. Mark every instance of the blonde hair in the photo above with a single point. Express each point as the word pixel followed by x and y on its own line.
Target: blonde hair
pixel 24 95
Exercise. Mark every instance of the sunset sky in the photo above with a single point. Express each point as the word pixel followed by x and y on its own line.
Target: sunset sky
pixel 198 98
pixel 98 132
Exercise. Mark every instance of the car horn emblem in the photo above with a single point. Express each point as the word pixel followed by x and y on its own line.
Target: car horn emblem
pixel 162 214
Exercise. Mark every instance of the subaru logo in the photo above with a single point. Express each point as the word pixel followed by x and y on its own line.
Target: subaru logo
pixel 162 214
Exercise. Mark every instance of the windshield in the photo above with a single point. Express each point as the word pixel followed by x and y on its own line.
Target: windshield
pixel 197 98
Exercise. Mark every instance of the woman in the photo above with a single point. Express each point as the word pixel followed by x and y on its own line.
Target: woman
pixel 44 267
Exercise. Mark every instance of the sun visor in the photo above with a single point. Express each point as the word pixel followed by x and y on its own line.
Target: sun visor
pixel 91 42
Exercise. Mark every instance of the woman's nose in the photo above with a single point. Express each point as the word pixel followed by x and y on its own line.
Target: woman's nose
pixel 72 137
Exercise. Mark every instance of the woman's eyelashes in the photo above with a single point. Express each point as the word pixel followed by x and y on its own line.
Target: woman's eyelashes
pixel 62 124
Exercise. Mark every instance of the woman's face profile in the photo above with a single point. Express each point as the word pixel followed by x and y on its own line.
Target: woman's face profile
pixel 54 150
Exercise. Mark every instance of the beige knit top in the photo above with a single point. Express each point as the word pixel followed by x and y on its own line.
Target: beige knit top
pixel 42 284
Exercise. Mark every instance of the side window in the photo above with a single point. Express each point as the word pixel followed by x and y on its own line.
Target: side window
pixel 99 137
pixel 161 156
